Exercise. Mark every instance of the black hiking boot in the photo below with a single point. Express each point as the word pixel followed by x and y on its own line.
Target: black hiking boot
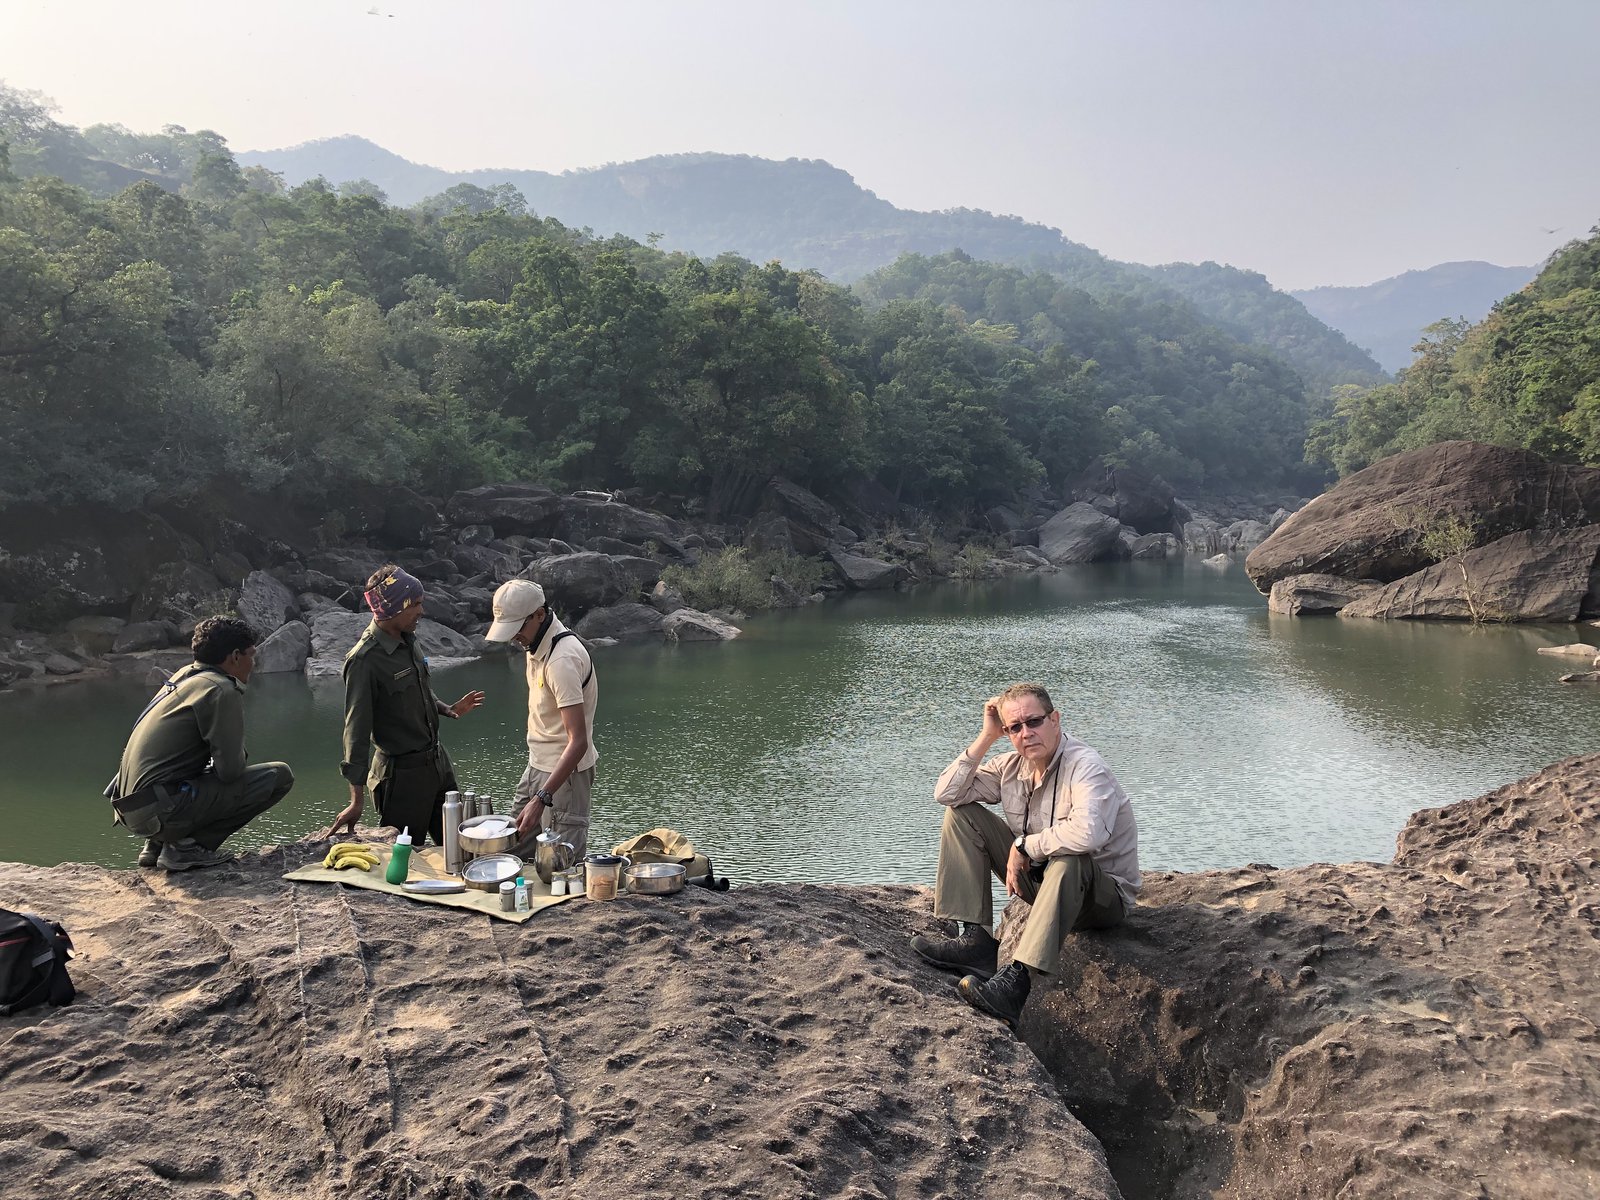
pixel 150 854
pixel 189 854
pixel 973 953
pixel 1002 997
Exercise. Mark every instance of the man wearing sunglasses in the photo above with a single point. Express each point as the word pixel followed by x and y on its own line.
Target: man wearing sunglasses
pixel 1064 841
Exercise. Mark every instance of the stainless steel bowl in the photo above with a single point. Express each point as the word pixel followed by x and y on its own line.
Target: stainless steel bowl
pixel 486 874
pixel 476 845
pixel 656 879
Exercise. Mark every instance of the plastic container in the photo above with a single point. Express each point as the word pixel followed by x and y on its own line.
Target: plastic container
pixel 508 896
pixel 558 885
pixel 399 858
pixel 524 901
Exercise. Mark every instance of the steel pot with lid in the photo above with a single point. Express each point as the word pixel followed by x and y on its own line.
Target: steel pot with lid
pixel 486 874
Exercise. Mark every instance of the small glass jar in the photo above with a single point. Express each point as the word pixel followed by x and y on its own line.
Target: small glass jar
pixel 558 885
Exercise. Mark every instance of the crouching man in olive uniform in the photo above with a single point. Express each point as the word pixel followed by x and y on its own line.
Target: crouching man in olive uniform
pixel 183 783
pixel 1064 842
pixel 391 716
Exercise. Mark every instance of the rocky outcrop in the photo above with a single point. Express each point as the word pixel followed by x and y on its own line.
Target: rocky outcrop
pixel 1079 533
pixel 524 508
pixel 792 519
pixel 1423 1027
pixel 1308 595
pixel 1145 503
pixel 333 632
pixel 575 583
pixel 1528 576
pixel 1366 526
pixel 622 623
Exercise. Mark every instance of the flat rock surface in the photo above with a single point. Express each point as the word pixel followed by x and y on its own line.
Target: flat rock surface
pixel 1425 1027
pixel 236 1034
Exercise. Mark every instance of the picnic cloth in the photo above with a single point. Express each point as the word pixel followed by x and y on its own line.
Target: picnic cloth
pixel 427 864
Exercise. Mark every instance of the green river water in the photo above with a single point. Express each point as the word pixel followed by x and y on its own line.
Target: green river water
pixel 806 750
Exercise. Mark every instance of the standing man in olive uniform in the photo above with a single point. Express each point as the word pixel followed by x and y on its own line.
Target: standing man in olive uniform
pixel 184 784
pixel 391 716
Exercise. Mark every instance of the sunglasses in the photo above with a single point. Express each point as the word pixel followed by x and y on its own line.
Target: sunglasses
pixel 1031 722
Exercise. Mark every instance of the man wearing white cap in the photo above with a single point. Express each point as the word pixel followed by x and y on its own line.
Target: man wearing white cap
pixel 554 792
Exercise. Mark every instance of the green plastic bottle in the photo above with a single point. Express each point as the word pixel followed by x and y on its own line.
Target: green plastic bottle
pixel 400 858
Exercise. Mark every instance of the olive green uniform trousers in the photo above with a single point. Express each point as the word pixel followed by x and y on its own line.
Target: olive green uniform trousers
pixel 206 809
pixel 1072 892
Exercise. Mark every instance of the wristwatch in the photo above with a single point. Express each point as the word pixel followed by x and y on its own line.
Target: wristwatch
pixel 543 796
pixel 1018 844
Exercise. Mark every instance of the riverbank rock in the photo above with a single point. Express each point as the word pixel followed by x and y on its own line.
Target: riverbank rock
pixel 285 649
pixel 575 583
pixel 690 625
pixel 266 603
pixel 333 632
pixel 622 623
pixel 1422 1027
pixel 776 1041
pixel 1079 533
pixel 864 574
pixel 1527 576
pixel 1145 503
pixel 1365 526
pixel 1307 595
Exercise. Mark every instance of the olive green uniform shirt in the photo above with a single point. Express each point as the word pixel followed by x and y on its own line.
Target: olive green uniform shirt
pixel 389 705
pixel 198 723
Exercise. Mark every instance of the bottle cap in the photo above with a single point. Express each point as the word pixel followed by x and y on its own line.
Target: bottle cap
pixel 405 837
pixel 508 886
pixel 521 882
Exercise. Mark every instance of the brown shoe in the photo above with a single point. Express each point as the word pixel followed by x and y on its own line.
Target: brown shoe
pixel 150 854
pixel 973 953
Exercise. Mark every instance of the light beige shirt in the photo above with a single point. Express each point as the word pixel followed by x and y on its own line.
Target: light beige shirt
pixel 555 681
pixel 1076 807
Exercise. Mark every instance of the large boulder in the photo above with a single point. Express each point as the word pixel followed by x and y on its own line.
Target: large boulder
pixel 266 604
pixel 285 649
pixel 408 519
pixel 440 641
pixel 583 518
pixel 94 635
pixel 622 622
pixel 1079 533
pixel 1241 537
pixel 690 625
pixel 809 523
pixel 1154 545
pixel 1308 595
pixel 351 566
pixel 497 565
pixel 1145 502
pixel 145 635
pixel 524 508
pixel 1367 526
pixel 866 574
pixel 333 632
pixel 575 583
pixel 1528 576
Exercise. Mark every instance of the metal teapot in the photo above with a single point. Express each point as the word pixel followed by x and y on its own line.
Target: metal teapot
pixel 552 854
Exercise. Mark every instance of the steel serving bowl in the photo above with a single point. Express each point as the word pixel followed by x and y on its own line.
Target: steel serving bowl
pixel 486 874
pixel 475 844
pixel 656 879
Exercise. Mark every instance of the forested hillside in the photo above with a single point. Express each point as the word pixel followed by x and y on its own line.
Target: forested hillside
pixel 808 214
pixel 1527 375
pixel 1387 318
pixel 216 330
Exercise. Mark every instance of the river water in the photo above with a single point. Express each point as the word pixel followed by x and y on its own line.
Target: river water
pixel 806 750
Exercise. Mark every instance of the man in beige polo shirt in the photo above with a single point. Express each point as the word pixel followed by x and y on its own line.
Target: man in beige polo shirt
pixel 554 792
pixel 1065 842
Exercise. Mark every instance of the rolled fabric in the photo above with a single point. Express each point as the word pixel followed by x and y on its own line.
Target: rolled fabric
pixel 398 592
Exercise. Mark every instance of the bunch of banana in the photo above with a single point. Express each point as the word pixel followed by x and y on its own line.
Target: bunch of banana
pixel 344 855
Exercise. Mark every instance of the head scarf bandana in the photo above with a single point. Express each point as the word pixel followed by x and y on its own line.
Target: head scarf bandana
pixel 398 592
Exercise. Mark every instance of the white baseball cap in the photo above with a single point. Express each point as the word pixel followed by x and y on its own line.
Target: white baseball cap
pixel 514 602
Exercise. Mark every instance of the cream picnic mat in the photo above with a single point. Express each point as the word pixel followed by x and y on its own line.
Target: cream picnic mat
pixel 427 864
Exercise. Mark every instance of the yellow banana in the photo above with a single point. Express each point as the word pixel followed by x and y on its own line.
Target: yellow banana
pixel 339 848
pixel 349 859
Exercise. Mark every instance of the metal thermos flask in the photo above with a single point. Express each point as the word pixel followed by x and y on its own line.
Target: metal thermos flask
pixel 485 805
pixel 452 832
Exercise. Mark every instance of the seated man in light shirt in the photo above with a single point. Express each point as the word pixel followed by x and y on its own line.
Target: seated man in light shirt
pixel 1064 841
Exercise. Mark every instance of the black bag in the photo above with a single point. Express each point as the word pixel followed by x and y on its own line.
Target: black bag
pixel 33 962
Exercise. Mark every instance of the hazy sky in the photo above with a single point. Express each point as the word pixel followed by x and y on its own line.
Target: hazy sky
pixel 1338 141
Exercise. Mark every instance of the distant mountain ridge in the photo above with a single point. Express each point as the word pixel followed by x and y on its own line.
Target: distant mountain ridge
pixel 1387 318
pixel 809 214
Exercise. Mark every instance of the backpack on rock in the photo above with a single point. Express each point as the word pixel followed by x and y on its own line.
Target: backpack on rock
pixel 33 962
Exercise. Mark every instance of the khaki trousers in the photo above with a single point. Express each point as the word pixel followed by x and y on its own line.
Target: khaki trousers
pixel 1073 894
pixel 568 810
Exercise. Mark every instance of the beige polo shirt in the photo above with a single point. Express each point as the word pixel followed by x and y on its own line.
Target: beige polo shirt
pixel 555 681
